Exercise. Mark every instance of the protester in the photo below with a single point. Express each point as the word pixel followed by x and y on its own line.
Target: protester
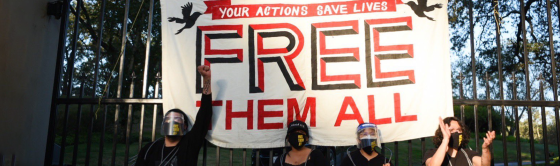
pixel 450 140
pixel 179 146
pixel 368 136
pixel 299 155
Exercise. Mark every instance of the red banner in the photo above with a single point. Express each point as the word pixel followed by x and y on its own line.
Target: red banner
pixel 301 10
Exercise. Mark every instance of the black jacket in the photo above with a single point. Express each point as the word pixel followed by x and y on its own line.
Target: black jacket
pixel 190 144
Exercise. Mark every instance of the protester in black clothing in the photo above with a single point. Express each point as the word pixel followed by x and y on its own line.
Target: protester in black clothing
pixel 180 147
pixel 366 155
pixel 299 155
pixel 450 140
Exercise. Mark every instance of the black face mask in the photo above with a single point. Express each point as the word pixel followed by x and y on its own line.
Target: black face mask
pixel 368 145
pixel 297 140
pixel 455 140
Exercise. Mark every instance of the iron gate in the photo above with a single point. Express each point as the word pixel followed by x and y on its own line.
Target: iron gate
pixel 83 92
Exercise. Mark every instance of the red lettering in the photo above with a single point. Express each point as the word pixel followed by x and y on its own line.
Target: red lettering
pixel 267 114
pixel 379 48
pixel 398 116
pixel 214 103
pixel 337 59
pixel 309 107
pixel 207 44
pixel 241 114
pixel 348 101
pixel 371 109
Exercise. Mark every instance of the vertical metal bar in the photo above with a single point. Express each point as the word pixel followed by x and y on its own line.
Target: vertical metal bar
pixel 95 77
pixel 334 155
pixel 516 114
pixel 410 152
pixel 145 79
pixel 156 90
pixel 543 117
pixel 56 85
pixel 90 130
pixel 462 113
pixel 500 77
pixel 489 110
pixel 553 68
pixel 531 137
pixel 423 140
pixel 475 109
pixel 70 73
pixel 396 153
pixel 79 118
pixel 473 60
pixel 64 134
pixel 129 121
pixel 527 85
pixel 461 77
pixel 329 152
pixel 115 138
pixel 504 136
pixel 488 98
pixel 121 67
pixel 102 138
pixel 258 157
pixel 230 157
pixel 244 161
pixel 473 69
pixel 270 157
pixel 217 156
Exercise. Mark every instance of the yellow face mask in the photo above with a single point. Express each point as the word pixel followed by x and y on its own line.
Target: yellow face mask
pixel 300 140
pixel 176 129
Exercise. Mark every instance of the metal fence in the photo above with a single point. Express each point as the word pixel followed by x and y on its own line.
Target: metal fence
pixel 69 104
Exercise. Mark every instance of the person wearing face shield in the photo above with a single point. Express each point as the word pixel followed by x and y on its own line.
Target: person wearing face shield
pixel 299 155
pixel 451 140
pixel 180 146
pixel 366 155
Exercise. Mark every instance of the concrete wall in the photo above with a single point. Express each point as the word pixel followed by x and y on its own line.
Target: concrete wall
pixel 28 45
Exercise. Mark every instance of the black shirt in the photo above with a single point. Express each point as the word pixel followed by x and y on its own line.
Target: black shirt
pixel 357 159
pixel 186 152
pixel 315 158
pixel 459 160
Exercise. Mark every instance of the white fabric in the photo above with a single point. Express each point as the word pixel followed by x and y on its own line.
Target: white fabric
pixel 428 98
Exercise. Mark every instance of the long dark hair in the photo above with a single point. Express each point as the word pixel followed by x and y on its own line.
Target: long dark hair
pixel 438 137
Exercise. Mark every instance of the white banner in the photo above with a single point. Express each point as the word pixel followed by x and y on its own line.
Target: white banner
pixel 332 64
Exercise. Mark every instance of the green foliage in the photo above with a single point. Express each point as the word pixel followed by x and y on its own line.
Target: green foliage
pixel 482 117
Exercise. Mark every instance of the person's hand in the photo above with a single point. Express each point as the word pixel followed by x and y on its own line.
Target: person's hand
pixel 444 129
pixel 386 164
pixel 490 135
pixel 204 71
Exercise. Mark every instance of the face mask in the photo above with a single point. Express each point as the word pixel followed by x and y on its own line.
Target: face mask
pixel 368 145
pixel 455 140
pixel 297 140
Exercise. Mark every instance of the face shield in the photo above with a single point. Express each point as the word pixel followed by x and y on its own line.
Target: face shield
pixel 369 136
pixel 173 124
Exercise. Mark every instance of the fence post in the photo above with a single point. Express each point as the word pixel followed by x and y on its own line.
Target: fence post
pixel 129 121
pixel 79 117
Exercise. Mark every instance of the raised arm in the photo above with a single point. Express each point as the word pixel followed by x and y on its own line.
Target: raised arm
pixel 204 115
pixel 206 74
pixel 439 156
pixel 484 160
